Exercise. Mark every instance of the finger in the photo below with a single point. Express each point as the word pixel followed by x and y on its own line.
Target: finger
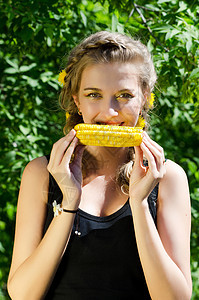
pixel 60 147
pixel 156 156
pixel 138 156
pixel 156 145
pixel 156 165
pixel 70 150
pixel 150 157
pixel 156 149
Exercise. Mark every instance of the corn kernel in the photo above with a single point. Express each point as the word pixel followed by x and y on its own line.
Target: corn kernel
pixel 108 135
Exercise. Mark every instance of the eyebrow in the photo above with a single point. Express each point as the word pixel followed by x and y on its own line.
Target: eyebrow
pixel 126 90
pixel 90 88
pixel 120 91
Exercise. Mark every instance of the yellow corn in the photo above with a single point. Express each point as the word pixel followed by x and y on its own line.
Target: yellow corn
pixel 109 135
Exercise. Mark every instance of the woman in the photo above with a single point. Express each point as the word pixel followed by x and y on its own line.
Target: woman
pixel 125 232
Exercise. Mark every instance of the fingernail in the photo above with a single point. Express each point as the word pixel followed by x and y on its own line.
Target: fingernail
pixel 73 131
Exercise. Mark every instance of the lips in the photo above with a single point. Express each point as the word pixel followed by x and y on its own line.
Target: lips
pixel 110 123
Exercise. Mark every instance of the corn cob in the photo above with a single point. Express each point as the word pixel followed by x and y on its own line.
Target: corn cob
pixel 108 135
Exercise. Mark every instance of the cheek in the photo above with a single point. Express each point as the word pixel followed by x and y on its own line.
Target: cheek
pixel 132 110
pixel 89 112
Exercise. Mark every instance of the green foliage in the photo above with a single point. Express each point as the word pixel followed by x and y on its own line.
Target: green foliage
pixel 35 39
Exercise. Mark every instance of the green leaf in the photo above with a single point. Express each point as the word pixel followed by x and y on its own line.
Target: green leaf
pixel 2 249
pixel 34 139
pixel 27 68
pixel 13 63
pixel 49 41
pixel 10 156
pixel 84 18
pixel 150 46
pixel 10 71
pixel 189 44
pixel 38 100
pixel 24 130
pixel 10 209
pixel 54 85
pixel 192 166
pixel 182 6
pixel 162 1
pixel 2 225
pixel 153 7
pixel 194 73
pixel 163 29
pixel 49 32
pixel 32 82
pixel 171 33
pixel 114 23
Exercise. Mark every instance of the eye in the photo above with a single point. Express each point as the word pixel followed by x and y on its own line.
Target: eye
pixel 125 96
pixel 94 95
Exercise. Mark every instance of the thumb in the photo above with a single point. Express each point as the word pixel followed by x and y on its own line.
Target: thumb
pixel 138 156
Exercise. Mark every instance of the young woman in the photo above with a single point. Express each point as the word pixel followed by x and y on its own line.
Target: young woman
pixel 125 233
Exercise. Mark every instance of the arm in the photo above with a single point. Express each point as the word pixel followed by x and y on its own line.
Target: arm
pixel 164 252
pixel 35 257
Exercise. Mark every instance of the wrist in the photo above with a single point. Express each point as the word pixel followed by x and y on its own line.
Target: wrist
pixel 137 202
pixel 69 205
pixel 58 209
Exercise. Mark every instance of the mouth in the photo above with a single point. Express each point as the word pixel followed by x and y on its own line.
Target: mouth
pixel 110 123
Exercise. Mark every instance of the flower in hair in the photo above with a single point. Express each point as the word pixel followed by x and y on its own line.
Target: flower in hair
pixel 61 77
pixel 67 115
pixel 140 122
pixel 151 100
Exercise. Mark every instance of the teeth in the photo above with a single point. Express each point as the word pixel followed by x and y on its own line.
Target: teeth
pixel 99 123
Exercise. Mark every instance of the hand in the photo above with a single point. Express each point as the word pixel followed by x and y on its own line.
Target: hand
pixel 144 178
pixel 67 174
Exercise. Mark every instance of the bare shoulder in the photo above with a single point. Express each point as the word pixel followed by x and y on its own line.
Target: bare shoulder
pixel 173 170
pixel 35 177
pixel 174 185
pixel 37 165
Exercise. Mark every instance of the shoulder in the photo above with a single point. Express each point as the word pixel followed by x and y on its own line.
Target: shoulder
pixel 35 177
pixel 39 163
pixel 174 173
pixel 37 166
pixel 174 184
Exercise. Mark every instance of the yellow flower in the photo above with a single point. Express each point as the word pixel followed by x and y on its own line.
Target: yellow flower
pixel 67 115
pixel 61 77
pixel 151 100
pixel 140 122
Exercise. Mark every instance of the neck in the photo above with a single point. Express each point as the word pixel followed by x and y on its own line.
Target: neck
pixel 103 160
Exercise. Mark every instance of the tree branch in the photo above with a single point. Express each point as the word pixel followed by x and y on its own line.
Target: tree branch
pixel 149 29
pixel 131 13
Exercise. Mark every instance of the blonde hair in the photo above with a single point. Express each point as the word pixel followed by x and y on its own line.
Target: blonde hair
pixel 106 47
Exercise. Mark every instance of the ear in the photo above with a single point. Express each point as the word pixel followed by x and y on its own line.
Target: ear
pixel 143 101
pixel 76 100
pixel 145 97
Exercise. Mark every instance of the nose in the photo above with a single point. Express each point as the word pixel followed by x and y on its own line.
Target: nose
pixel 109 109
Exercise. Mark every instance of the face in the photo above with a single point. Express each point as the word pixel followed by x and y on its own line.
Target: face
pixel 110 94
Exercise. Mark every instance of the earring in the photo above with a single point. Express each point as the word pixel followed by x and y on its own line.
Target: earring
pixel 79 112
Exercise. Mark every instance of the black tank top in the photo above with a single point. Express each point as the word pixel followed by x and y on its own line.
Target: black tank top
pixel 101 261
